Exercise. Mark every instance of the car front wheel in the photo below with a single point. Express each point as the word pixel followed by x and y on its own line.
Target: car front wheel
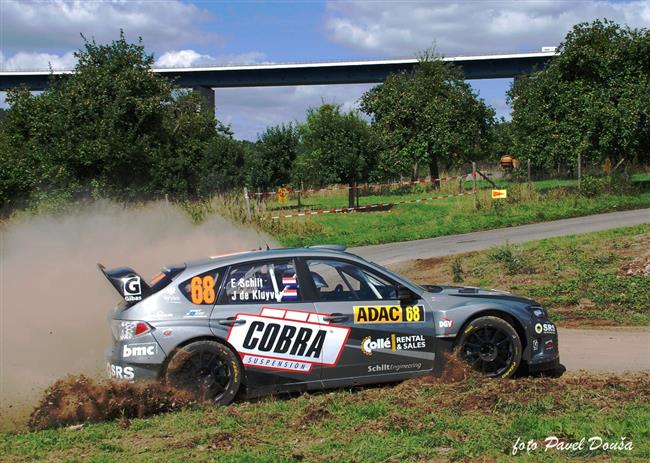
pixel 491 346
pixel 208 369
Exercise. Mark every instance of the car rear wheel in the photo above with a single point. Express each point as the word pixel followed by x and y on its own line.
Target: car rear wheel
pixel 208 369
pixel 491 346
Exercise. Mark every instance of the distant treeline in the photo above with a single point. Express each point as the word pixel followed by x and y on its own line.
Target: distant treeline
pixel 115 129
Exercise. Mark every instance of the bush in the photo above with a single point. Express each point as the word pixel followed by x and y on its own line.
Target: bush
pixel 512 259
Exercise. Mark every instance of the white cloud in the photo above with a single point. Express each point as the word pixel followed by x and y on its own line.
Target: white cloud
pixel 56 24
pixel 187 58
pixel 251 110
pixel 35 61
pixel 404 28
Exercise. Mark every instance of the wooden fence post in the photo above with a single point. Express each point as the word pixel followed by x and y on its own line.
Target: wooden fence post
pixel 579 171
pixel 248 205
pixel 474 181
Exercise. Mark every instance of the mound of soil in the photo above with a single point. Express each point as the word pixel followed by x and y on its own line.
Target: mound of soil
pixel 80 399
pixel 638 267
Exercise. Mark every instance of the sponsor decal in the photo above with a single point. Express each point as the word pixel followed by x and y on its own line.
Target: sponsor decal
pixel 195 313
pixel 139 350
pixel 445 323
pixel 535 345
pixel 549 345
pixel 168 333
pixel 392 368
pixel 388 314
pixel 171 295
pixel 120 372
pixel 544 328
pixel 132 289
pixel 394 343
pixel 289 340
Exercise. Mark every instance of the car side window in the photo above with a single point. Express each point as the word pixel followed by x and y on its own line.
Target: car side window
pixel 261 282
pixel 201 289
pixel 336 280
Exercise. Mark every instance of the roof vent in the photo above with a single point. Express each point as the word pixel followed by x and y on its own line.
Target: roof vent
pixel 330 247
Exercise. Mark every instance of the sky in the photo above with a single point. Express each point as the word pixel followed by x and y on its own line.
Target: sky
pixel 37 34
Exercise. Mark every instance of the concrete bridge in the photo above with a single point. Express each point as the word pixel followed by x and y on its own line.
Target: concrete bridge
pixel 205 79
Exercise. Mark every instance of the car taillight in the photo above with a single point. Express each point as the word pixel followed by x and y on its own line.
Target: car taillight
pixel 125 330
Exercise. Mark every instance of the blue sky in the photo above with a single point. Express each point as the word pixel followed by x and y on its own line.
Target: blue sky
pixel 36 34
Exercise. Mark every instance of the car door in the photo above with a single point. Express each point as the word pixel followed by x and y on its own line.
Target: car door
pixel 262 315
pixel 386 338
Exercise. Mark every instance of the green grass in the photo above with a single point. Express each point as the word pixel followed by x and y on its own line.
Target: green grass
pixel 419 420
pixel 581 279
pixel 546 200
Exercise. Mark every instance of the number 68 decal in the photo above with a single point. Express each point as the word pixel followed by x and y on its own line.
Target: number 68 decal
pixel 202 290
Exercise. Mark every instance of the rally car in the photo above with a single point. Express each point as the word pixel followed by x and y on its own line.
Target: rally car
pixel 303 319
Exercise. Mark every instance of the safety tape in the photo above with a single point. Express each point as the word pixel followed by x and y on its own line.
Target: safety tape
pixel 365 185
pixel 361 208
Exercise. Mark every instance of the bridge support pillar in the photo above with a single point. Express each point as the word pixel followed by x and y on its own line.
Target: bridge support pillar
pixel 207 98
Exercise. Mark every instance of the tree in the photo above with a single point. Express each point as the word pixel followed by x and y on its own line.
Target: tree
pixel 592 101
pixel 222 166
pixel 338 148
pixel 113 128
pixel 270 161
pixel 502 138
pixel 427 116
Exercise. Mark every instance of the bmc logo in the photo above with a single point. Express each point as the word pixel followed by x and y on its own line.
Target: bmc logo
pixel 139 350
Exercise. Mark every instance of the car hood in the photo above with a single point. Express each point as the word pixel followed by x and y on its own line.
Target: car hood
pixel 478 293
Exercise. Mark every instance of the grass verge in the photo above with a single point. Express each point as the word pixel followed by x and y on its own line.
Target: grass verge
pixel 594 278
pixel 419 420
pixel 544 201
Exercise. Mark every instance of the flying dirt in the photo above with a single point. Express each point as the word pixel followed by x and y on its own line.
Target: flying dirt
pixel 54 303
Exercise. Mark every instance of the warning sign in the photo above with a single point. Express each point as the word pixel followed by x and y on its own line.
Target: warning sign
pixel 283 195
pixel 499 194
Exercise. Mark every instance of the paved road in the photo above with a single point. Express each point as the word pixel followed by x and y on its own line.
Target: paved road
pixel 392 253
pixel 611 349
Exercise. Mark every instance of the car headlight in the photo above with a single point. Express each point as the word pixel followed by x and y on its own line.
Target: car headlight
pixel 538 311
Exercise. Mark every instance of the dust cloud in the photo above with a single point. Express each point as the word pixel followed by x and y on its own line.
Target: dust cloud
pixel 54 303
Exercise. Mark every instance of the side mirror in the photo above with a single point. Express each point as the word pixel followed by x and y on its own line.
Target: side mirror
pixel 405 295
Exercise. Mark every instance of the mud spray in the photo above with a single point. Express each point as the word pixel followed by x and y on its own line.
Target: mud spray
pixel 54 303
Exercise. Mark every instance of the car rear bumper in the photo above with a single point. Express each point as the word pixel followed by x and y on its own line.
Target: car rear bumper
pixel 130 361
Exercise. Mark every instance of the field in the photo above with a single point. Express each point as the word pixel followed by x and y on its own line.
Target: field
pixel 590 279
pixel 470 419
pixel 459 417
pixel 545 200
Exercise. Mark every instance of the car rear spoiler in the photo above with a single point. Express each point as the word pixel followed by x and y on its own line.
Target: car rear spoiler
pixel 128 283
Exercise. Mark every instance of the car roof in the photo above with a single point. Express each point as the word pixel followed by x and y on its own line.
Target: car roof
pixel 255 255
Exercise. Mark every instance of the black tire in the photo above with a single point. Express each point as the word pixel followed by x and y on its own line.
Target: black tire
pixel 208 369
pixel 491 346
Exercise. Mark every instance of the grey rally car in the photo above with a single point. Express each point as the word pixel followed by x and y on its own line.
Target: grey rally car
pixel 311 318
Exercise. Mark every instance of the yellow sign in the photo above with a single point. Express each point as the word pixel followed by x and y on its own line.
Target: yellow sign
pixel 499 194
pixel 388 314
pixel 283 195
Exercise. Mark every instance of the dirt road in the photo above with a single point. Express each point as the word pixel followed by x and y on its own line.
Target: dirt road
pixel 611 349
